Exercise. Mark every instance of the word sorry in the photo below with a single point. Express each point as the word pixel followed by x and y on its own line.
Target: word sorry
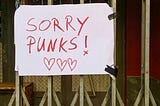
pixel 54 24
pixel 49 63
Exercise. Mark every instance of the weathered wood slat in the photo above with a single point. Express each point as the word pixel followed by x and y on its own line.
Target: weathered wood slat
pixel 11 86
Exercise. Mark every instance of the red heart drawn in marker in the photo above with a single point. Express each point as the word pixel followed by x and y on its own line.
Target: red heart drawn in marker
pixel 49 62
pixel 61 64
pixel 72 63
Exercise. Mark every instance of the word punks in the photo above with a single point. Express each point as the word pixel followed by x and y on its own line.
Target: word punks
pixel 60 44
pixel 55 24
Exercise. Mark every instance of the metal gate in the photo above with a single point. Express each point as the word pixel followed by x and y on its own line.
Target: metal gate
pixel 80 89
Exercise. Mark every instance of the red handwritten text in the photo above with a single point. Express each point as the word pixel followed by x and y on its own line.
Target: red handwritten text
pixel 41 44
pixel 60 42
pixel 54 24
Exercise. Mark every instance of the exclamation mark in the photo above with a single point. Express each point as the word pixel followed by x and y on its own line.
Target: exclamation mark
pixel 85 45
pixel 86 41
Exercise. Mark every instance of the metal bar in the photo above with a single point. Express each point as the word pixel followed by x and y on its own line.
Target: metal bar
pixel 139 97
pixel 24 97
pixel 107 97
pixel 115 38
pixel 22 2
pixel 12 99
pixel 142 44
pixel 74 99
pixel 18 90
pixel 147 43
pixel 142 57
pixel 42 2
pixel 43 98
pixel 88 98
pixel 50 92
pixel 50 2
pixel 81 87
pixel 113 97
pixel 81 1
pixel 119 99
pixel 18 101
pixel 113 92
pixel 50 80
pixel 81 91
pixel 56 98
pixel 92 85
pixel 152 98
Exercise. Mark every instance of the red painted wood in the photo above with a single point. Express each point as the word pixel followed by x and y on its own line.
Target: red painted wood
pixel 155 39
pixel 133 37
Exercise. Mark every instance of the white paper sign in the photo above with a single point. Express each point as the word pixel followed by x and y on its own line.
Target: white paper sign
pixel 63 39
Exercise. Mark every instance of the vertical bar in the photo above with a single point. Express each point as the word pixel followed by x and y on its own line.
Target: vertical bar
pixel 142 42
pixel 142 54
pixel 114 11
pixel 50 2
pixel 18 90
pixel 42 2
pixel 147 43
pixel 50 93
pixel 81 80
pixel 50 80
pixel 113 92
pixel 114 81
pixel 18 101
pixel 81 91
pixel 81 1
